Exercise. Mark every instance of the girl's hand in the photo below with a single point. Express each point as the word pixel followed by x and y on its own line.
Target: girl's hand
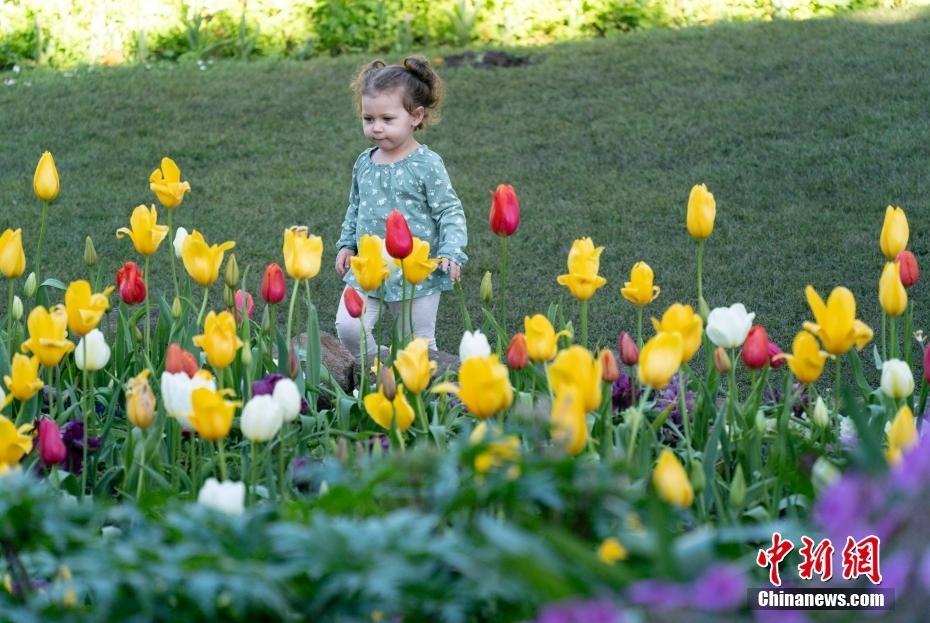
pixel 342 260
pixel 454 270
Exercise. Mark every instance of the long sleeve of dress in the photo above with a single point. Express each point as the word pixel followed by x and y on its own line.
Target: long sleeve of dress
pixel 446 210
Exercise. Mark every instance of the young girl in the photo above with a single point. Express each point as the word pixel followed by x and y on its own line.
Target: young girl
pixel 399 173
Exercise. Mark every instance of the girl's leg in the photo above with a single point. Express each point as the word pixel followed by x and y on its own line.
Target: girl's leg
pixel 349 328
pixel 424 317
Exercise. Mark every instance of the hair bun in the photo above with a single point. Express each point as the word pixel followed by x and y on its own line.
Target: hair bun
pixel 418 66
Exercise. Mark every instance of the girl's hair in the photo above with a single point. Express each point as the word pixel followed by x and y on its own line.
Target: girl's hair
pixel 421 86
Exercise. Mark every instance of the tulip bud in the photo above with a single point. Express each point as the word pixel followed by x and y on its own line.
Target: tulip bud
pixel 353 302
pixel 261 419
pixel 179 360
pixel 761 423
pixel 293 365
pixel 51 448
pixel 231 276
pixel 180 235
pixel 176 308
pixel 738 489
pixel 397 237
pixel 517 354
pixel 267 325
pixel 92 352
pixel 823 474
pixel 629 353
pixel 474 344
pixel 486 289
pixel 388 383
pixel 229 297
pixel 897 379
pixel 703 309
pixel 140 401
pixel 90 253
pixel 891 292
pixel 274 287
pixel 774 360
pixel 820 417
pixel 131 284
pixel 609 370
pixel 287 395
pixel 17 309
pixel 756 348
pixel 45 182
pixel 136 333
pixel 226 497
pixel 697 477
pixel 342 450
pixel 910 271
pixel 29 288
pixel 244 303
pixel 721 360
pixel 246 356
pixel 504 217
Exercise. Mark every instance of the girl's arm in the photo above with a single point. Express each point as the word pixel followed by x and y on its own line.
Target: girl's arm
pixel 347 236
pixel 448 214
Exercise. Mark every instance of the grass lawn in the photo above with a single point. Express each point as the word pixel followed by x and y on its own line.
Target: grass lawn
pixel 804 132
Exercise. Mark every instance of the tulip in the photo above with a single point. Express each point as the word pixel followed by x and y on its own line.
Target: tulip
pixel 387 382
pixel 130 283
pixel 369 266
pixel 820 417
pixel 577 367
pixel 302 253
pixel 738 488
pixel 500 450
pixel 671 481
pixel 179 360
pixel 414 366
pixel 902 434
pixel 144 231
pixel 45 182
pixel 244 303
pixel 418 265
pixel 24 382
pixel 891 292
pixel 219 339
pixel 629 353
pixel 397 237
pixel 584 261
pixel 660 359
pixel 31 285
pixel 384 411
pixel 484 386
pixel 202 261
pixel 212 414
pixel 517 355
pixel 756 348
pixel 486 288
pixel 505 211
pixel 176 390
pixel 353 302
pixel 92 352
pixel 895 232
pixel 835 322
pixel 274 287
pixel 14 443
pixel 609 370
pixel 140 401
pixel 90 252
pixel 909 269
pixel 569 420
pixel 12 256
pixel 728 326
pixel 611 551
pixel 774 351
pixel 231 275
pixel 287 395
pixel 85 308
pixel 226 497
pixel 261 419
pixel 541 338
pixel 806 360
pixel 722 360
pixel 48 335
pixel 897 379
pixel 474 344
pixel 51 448
pixel 682 320
pixel 180 235
pixel 166 183
pixel 702 210
pixel 639 290
pixel 16 310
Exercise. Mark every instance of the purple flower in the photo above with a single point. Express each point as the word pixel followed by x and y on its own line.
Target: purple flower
pixel 592 611
pixel 895 571
pixel 658 595
pixel 72 434
pixel 923 570
pixel 265 386
pixel 622 392
pixel 913 472
pixel 780 616
pixel 669 397
pixel 773 395
pixel 844 509
pixel 719 589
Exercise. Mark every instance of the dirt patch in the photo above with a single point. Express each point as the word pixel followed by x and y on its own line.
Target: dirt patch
pixel 491 58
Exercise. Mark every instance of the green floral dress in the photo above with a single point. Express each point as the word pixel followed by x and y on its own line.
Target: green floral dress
pixel 419 187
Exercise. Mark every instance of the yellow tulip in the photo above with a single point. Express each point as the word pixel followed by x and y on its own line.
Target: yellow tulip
pixel 14 443
pixel 541 338
pixel 484 386
pixel 144 231
pixel 48 335
pixel 835 322
pixel 12 256
pixel 806 360
pixel 414 365
pixel 384 411
pixel 166 183
pixel 891 292
pixel 45 182
pixel 302 253
pixel 418 265
pixel 660 359
pixel 611 551
pixel 23 381
pixel 140 401
pixel 202 261
pixel 576 367
pixel 682 320
pixel 902 434
pixel 639 290
pixel 671 481
pixel 369 266
pixel 219 339
pixel 895 232
pixel 501 450
pixel 702 210
pixel 84 307
pixel 584 261
pixel 212 414
pixel 568 419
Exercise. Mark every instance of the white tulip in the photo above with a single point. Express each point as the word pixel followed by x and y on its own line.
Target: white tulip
pixel 820 417
pixel 98 353
pixel 227 496
pixel 180 235
pixel 474 344
pixel 176 390
pixel 261 418
pixel 729 326
pixel 287 396
pixel 897 379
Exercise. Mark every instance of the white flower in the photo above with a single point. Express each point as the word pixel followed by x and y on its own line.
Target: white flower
pixel 180 235
pixel 261 418
pixel 98 353
pixel 820 417
pixel 287 396
pixel 897 379
pixel 176 390
pixel 849 435
pixel 728 326
pixel 227 496
pixel 2 398
pixel 474 344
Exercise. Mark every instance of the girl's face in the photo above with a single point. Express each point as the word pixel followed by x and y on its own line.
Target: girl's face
pixel 386 122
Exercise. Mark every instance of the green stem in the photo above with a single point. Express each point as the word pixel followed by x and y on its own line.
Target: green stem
pixel 884 336
pixel 836 390
pixel 421 412
pixel 140 486
pixel 174 260
pixel 253 491
pixel 43 224
pixel 606 421
pixel 363 353
pixel 309 355
pixel 908 338
pixel 683 411
pixel 9 318
pixel 700 271
pixel 203 306
pixel 503 288
pixel 461 296
pixel 639 327
pixel 290 317
pixel 894 337
pixel 222 453
pixel 87 416
pixel 584 323
pixel 148 319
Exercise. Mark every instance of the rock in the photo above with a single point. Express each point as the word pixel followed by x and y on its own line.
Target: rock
pixel 336 359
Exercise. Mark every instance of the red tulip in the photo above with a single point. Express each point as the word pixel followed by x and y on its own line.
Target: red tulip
pixel 51 448
pixel 353 302
pixel 910 271
pixel 245 301
pixel 397 237
pixel 756 348
pixel 130 283
pixel 517 355
pixel 609 370
pixel 774 351
pixel 274 287
pixel 179 360
pixel 629 353
pixel 505 211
